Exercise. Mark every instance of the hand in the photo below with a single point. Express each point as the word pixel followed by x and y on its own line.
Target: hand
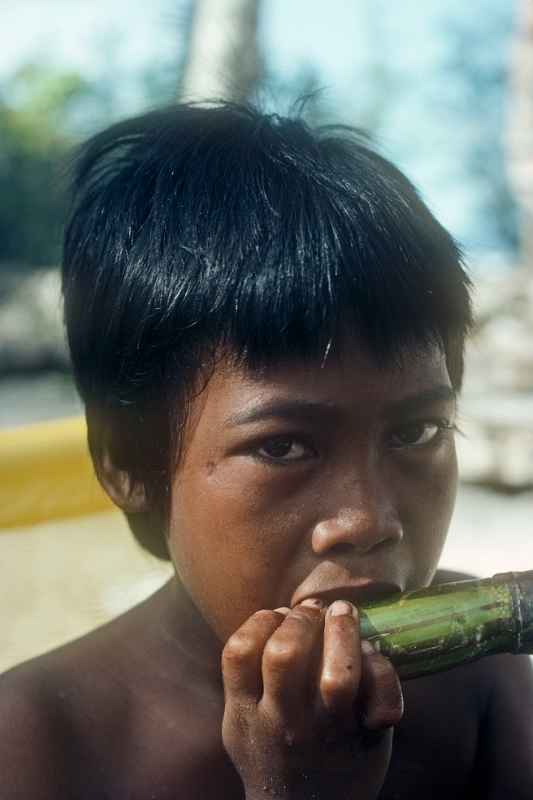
pixel 309 708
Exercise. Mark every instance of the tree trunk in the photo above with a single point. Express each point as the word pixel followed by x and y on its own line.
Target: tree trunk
pixel 223 58
pixel 520 127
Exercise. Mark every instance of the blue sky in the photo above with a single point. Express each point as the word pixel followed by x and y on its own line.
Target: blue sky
pixel 66 31
pixel 425 129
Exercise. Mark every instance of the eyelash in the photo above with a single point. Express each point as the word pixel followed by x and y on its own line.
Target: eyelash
pixel 442 425
pixel 292 440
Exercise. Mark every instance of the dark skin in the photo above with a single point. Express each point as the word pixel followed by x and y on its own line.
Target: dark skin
pixel 301 486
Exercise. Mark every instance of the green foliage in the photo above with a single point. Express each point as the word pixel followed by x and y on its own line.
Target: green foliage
pixel 36 108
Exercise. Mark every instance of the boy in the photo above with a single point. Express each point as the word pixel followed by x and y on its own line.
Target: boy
pixel 266 326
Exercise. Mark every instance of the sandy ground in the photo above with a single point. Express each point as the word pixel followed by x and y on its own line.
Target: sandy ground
pixel 61 580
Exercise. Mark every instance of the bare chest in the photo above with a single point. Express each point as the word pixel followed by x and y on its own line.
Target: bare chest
pixel 434 752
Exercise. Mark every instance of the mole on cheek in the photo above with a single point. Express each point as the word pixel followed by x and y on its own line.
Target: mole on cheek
pixel 210 467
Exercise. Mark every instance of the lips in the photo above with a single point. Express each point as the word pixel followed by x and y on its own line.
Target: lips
pixel 330 582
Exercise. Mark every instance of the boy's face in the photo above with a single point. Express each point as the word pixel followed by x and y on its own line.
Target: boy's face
pixel 306 480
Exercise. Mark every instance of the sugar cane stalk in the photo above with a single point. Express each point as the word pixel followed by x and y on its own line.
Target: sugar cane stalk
pixel 433 629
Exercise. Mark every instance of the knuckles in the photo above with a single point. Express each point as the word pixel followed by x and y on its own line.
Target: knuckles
pixel 385 700
pixel 244 644
pixel 259 635
pixel 338 683
pixel 282 655
pixel 291 643
pixel 338 692
pixel 265 617
pixel 239 649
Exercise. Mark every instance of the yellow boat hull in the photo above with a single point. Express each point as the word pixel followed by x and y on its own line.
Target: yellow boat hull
pixel 46 473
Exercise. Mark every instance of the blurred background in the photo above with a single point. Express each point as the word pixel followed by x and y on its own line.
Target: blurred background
pixel 446 90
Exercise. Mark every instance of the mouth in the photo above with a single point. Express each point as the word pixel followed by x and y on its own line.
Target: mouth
pixel 330 581
pixel 359 593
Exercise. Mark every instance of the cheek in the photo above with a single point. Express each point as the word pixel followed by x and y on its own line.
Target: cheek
pixel 233 545
pixel 442 490
pixel 428 511
pixel 259 515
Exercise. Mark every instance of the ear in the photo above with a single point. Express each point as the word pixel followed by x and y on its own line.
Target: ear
pixel 126 492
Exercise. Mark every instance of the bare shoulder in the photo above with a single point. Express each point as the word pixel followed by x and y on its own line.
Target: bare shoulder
pixel 505 752
pixel 34 736
pixel 61 714
pixel 113 714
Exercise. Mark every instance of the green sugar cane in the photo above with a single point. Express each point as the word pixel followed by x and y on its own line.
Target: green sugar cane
pixel 443 626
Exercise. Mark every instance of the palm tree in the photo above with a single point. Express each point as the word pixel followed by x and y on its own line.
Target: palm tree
pixel 222 60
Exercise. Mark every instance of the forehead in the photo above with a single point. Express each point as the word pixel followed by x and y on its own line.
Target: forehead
pixel 345 380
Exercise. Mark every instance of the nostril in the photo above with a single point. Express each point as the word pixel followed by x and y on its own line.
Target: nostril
pixel 349 531
pixel 342 549
pixel 391 538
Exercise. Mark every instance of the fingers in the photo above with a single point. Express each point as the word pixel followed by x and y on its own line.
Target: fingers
pixel 381 690
pixel 243 652
pixel 357 684
pixel 290 677
pixel 291 656
pixel 273 659
pixel 341 662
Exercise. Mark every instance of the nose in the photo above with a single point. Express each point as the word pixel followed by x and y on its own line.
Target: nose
pixel 367 521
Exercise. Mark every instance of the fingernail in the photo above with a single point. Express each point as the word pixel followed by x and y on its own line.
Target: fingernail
pixel 312 602
pixel 366 648
pixel 282 610
pixel 342 607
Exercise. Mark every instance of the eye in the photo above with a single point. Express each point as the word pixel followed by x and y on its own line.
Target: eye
pixel 418 434
pixel 284 449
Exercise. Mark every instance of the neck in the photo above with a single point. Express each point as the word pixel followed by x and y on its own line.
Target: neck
pixel 186 640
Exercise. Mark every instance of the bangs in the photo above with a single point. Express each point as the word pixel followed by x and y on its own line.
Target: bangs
pixel 319 264
pixel 272 249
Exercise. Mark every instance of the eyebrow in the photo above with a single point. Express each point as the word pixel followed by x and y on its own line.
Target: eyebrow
pixel 443 393
pixel 286 409
pixel 302 409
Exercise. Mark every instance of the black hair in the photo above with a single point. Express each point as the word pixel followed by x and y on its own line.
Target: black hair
pixel 207 226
